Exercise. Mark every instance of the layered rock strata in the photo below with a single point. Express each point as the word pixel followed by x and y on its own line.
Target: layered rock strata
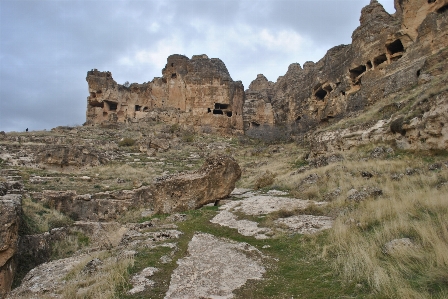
pixel 215 180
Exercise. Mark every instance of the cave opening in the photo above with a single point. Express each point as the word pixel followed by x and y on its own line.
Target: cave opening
pixel 356 72
pixel 369 65
pixel 112 106
pixel 97 104
pixel 209 110
pixel 443 9
pixel 395 47
pixel 172 64
pixel 254 124
pixel 320 94
pixel 217 111
pixel 173 76
pixel 138 108
pixel 229 113
pixel 431 1
pixel 221 106
pixel 146 109
pixel 419 73
pixel 379 60
pixel 93 95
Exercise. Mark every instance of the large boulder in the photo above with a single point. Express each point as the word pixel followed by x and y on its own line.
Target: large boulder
pixel 215 180
pixel 10 211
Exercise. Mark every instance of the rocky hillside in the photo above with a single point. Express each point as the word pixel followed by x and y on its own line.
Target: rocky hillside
pixel 337 188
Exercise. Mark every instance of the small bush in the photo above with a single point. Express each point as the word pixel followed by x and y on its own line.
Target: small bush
pixel 126 142
pixel 265 180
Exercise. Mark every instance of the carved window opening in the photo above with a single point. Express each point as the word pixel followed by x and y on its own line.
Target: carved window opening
pixel 173 76
pixel 217 111
pixel 221 106
pixel 419 73
pixel 209 110
pixel 379 60
pixel 369 65
pixel 395 50
pixel 355 74
pixel 138 108
pixel 172 64
pixel 442 9
pixel 229 113
pixel 254 124
pixel 112 106
pixel 97 104
pixel 321 94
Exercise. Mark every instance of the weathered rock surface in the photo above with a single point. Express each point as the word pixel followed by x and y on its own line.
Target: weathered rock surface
pixel 214 268
pixel 10 212
pixel 389 55
pixel 66 156
pixel 215 180
pixel 197 93
pixel 306 224
pixel 176 193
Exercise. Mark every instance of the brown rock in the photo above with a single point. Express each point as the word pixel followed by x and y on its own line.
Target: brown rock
pixel 215 180
pixel 10 212
pixel 196 92
pixel 67 156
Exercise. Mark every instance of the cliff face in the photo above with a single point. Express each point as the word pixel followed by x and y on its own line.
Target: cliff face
pixel 389 55
pixel 197 93
pixel 386 57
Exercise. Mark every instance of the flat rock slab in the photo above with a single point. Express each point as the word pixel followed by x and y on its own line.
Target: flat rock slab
pixel 306 224
pixel 244 227
pixel 265 204
pixel 214 268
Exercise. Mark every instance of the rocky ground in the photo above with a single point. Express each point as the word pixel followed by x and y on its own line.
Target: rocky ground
pixel 278 234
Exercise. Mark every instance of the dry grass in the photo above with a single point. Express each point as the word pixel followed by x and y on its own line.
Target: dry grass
pixel 38 219
pixel 101 284
pixel 416 207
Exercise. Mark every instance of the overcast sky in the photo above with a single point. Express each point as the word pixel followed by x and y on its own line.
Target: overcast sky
pixel 47 46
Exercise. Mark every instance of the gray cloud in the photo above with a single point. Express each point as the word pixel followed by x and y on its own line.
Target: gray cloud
pixel 46 47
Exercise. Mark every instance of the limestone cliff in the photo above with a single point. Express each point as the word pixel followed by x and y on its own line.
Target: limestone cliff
pixel 385 58
pixel 197 93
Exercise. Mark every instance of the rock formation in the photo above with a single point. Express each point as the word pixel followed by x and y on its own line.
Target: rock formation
pixel 191 190
pixel 10 212
pixel 215 180
pixel 388 55
pixel 197 93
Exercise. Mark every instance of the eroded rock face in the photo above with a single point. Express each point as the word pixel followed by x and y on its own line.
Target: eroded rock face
pixel 191 190
pixel 70 156
pixel 10 212
pixel 196 92
pixel 387 56
pixel 215 180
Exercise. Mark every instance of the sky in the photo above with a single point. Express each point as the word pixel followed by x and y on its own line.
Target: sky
pixel 47 46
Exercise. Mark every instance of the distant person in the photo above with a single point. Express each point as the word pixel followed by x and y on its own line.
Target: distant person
pixel 27 129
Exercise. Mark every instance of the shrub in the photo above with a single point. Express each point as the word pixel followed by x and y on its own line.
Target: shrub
pixel 265 180
pixel 126 142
